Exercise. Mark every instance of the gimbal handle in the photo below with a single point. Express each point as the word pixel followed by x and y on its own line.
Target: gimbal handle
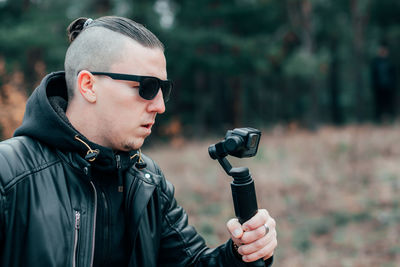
pixel 244 199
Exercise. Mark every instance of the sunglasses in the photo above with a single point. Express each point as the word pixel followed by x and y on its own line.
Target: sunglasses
pixel 149 86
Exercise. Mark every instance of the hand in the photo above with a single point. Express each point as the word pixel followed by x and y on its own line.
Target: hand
pixel 256 238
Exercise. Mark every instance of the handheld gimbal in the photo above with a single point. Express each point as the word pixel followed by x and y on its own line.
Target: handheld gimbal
pixel 241 143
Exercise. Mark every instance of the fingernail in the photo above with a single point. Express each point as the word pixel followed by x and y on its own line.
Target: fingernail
pixel 237 233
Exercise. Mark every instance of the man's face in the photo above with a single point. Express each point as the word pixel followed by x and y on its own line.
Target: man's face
pixel 124 118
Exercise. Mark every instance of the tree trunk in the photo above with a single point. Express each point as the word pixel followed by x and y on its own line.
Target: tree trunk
pixel 336 115
pixel 359 16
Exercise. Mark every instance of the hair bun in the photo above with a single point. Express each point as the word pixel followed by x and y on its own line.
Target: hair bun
pixel 75 28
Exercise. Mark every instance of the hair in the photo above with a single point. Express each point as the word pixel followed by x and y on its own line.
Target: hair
pixel 96 44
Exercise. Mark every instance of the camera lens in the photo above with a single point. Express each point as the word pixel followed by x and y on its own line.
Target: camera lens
pixel 253 140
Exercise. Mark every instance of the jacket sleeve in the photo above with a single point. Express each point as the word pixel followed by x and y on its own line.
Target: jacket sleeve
pixel 181 245
pixel 2 221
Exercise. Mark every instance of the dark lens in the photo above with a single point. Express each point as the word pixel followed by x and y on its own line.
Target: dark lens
pixel 253 140
pixel 149 88
pixel 166 87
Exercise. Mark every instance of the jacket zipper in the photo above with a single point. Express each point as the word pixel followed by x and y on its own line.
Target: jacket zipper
pixel 120 182
pixel 76 235
pixel 94 222
pixel 107 221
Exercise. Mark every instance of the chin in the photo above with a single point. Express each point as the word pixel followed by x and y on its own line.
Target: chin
pixel 133 145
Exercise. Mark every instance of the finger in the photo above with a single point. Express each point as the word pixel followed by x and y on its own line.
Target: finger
pixel 257 220
pixel 264 253
pixel 258 233
pixel 234 228
pixel 252 236
pixel 268 256
pixel 257 245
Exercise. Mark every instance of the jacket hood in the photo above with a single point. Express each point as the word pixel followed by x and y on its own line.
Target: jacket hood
pixel 46 121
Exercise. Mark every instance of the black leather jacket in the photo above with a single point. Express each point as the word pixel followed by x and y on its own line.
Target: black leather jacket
pixel 49 199
pixel 48 209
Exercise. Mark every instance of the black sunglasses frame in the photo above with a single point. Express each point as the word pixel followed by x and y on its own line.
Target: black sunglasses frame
pixel 165 85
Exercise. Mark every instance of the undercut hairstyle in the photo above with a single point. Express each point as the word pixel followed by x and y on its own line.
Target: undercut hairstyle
pixel 96 44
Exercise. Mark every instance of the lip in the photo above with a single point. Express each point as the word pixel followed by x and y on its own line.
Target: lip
pixel 147 127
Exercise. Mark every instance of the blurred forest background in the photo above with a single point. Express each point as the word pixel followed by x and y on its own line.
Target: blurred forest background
pixel 307 72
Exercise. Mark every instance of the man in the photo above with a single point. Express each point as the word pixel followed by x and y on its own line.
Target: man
pixel 75 189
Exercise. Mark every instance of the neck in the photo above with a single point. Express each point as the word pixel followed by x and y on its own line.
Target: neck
pixel 80 116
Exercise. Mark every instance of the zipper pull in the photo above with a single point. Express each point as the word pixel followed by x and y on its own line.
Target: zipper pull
pixel 120 185
pixel 77 220
pixel 118 160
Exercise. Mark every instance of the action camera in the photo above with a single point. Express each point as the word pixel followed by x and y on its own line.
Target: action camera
pixel 239 142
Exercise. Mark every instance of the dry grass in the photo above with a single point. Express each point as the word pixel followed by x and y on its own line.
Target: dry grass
pixel 334 193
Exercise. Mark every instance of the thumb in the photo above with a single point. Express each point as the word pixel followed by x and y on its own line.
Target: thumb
pixel 234 228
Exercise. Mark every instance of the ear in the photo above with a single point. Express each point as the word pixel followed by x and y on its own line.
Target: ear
pixel 86 88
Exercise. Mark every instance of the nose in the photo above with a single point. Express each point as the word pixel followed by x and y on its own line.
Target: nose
pixel 157 104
